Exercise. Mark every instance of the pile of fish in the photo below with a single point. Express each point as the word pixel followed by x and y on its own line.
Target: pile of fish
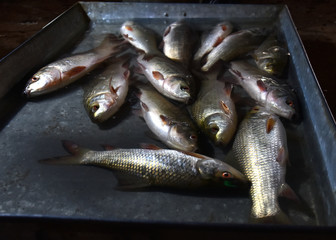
pixel 189 90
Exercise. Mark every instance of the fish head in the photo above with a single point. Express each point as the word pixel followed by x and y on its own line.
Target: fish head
pixel 181 87
pixel 43 81
pixel 217 128
pixel 282 102
pixel 100 107
pixel 184 136
pixel 272 61
pixel 219 172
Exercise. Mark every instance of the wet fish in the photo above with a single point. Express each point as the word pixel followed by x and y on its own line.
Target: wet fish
pixel 171 124
pixel 178 42
pixel 108 90
pixel 168 77
pixel 214 111
pixel 235 45
pixel 260 146
pixel 269 92
pixel 67 70
pixel 271 56
pixel 155 167
pixel 142 38
pixel 213 39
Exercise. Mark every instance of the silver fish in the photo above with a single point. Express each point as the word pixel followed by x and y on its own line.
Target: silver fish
pixel 269 92
pixel 171 124
pixel 178 42
pixel 168 77
pixel 156 167
pixel 140 37
pixel 235 45
pixel 260 146
pixel 108 90
pixel 67 70
pixel 213 39
pixel 271 56
pixel 214 111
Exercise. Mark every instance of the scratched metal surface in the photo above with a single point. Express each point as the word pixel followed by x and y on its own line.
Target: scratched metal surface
pixel 33 130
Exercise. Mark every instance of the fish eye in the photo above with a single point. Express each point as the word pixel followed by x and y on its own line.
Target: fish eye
pixel 35 78
pixel 95 108
pixel 184 88
pixel 226 175
pixel 193 137
pixel 290 103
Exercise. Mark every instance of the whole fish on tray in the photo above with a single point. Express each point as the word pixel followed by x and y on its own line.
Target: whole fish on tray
pixel 178 42
pixel 271 56
pixel 168 77
pixel 214 111
pixel 155 167
pixel 213 39
pixel 235 45
pixel 171 124
pixel 108 91
pixel 260 146
pixel 67 70
pixel 274 95
pixel 140 37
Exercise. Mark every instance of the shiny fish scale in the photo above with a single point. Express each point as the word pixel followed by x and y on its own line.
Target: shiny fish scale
pixel 160 167
pixel 256 150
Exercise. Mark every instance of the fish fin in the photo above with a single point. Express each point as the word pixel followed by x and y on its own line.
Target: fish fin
pixel 228 88
pixel 144 106
pixel 111 45
pixel 74 159
pixel 219 40
pixel 161 45
pixel 157 75
pixel 166 120
pixel 262 86
pixel 279 218
pixel 282 157
pixel 74 71
pixel 287 192
pixel 225 107
pixel 137 112
pixel 193 154
pixel 128 182
pixel 148 57
pixel 149 146
pixel 270 124
pixel 167 31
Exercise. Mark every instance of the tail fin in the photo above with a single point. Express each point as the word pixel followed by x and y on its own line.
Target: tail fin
pixel 75 158
pixel 111 45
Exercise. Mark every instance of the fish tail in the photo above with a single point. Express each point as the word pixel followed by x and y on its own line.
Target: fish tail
pixel 111 45
pixel 76 157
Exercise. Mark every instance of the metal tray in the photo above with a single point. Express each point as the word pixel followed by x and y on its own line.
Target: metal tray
pixel 33 129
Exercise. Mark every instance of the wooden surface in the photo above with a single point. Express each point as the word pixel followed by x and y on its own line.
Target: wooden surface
pixel 315 21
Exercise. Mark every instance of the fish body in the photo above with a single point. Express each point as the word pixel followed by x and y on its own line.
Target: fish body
pixel 142 38
pixel 67 70
pixel 271 56
pixel 178 42
pixel 260 147
pixel 156 167
pixel 269 92
pixel 168 77
pixel 213 39
pixel 171 124
pixel 235 45
pixel 108 91
pixel 214 111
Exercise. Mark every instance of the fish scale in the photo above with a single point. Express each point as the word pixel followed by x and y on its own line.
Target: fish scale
pixel 257 151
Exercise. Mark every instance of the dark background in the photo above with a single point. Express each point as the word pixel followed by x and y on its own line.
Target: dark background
pixel 316 24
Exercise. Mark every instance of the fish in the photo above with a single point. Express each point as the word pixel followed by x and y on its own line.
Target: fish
pixel 153 166
pixel 212 39
pixel 69 69
pixel 170 123
pixel 108 91
pixel 271 56
pixel 168 77
pixel 214 110
pixel 260 147
pixel 178 42
pixel 235 45
pixel 142 38
pixel 273 94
